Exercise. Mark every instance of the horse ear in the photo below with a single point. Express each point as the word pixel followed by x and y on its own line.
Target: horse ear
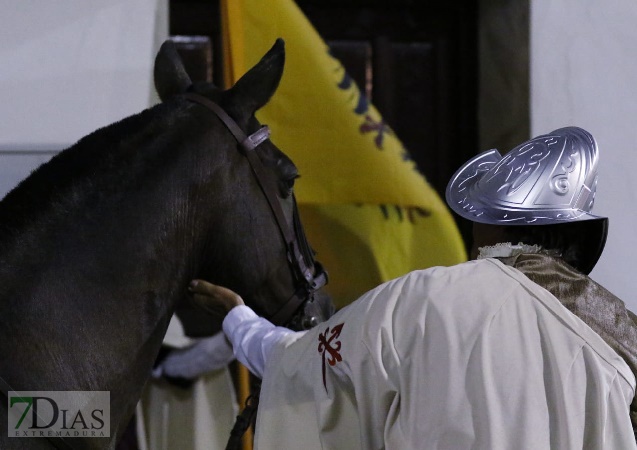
pixel 170 75
pixel 256 87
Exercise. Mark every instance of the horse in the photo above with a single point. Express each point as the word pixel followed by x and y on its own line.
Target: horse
pixel 98 245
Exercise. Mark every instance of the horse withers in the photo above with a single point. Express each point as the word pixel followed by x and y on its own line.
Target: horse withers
pixel 98 245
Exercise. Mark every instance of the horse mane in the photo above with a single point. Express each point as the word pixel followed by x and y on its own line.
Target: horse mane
pixel 100 161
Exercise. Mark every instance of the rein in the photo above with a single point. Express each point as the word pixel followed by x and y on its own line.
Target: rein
pixel 308 273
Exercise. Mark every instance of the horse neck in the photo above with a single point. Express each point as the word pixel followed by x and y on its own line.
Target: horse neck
pixel 88 290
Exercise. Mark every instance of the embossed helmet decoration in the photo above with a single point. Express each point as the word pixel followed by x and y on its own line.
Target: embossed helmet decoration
pixel 550 179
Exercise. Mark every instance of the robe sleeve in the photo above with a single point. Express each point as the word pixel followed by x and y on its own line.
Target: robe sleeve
pixel 252 337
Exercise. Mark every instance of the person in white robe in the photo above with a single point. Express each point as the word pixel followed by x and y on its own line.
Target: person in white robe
pixel 517 348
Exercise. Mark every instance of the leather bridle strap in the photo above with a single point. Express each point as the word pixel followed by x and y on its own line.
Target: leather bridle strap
pixel 307 273
pixel 247 142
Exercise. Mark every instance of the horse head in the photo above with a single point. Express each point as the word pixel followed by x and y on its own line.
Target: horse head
pixel 264 266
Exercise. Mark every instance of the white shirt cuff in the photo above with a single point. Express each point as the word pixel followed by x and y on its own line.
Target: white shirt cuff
pixel 252 337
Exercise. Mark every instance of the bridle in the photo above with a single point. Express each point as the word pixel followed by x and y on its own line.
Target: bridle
pixel 308 273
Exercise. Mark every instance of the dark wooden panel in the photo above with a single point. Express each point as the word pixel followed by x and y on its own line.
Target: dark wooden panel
pixel 196 53
pixel 199 18
pixel 412 113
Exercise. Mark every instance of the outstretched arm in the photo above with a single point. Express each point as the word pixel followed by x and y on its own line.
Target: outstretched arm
pixel 252 337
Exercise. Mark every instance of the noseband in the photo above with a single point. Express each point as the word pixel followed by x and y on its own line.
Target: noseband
pixel 309 275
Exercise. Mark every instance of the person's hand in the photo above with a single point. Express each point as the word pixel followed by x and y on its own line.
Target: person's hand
pixel 216 300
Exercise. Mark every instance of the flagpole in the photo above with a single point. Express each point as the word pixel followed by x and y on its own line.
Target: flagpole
pixel 243 376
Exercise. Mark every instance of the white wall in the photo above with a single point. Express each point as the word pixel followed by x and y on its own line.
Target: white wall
pixel 69 67
pixel 584 73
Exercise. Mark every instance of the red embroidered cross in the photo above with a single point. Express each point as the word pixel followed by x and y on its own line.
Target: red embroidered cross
pixel 325 346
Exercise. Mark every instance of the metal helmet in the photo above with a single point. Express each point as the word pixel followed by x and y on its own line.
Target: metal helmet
pixel 550 179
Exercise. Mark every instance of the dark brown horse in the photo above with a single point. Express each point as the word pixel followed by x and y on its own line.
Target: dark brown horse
pixel 98 245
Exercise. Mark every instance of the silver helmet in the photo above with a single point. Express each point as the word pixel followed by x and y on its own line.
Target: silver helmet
pixel 550 179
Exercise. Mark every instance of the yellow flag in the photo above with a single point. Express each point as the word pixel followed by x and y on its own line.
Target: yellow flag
pixel 369 214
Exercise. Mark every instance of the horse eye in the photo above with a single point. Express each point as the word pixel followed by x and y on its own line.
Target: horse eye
pixel 287 186
pixel 287 173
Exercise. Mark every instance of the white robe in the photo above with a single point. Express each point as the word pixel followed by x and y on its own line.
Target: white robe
pixel 474 356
